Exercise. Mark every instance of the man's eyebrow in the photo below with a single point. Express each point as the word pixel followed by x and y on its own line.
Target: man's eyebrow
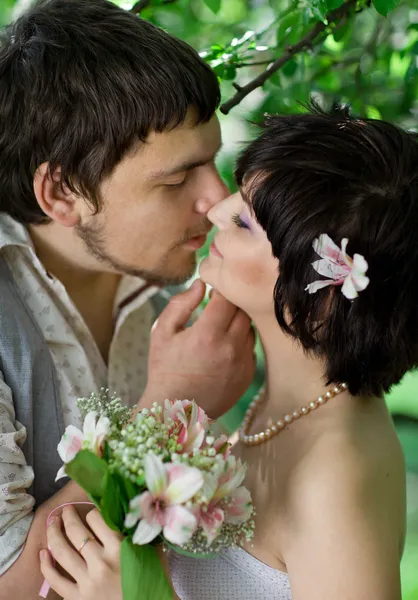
pixel 186 166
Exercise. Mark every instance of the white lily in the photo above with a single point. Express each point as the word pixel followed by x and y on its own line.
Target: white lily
pixel 92 438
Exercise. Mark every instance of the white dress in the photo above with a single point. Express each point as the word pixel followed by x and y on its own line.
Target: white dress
pixel 232 575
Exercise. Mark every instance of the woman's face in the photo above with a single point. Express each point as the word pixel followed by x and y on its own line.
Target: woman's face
pixel 240 264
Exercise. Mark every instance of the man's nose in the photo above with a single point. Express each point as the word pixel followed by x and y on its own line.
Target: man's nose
pixel 215 191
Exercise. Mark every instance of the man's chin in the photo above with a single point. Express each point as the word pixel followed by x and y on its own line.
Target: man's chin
pixel 167 274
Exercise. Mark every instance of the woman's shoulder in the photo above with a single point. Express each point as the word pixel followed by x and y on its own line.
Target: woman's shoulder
pixel 362 447
pixel 357 466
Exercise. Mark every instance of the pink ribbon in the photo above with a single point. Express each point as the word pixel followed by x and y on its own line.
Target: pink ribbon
pixel 44 591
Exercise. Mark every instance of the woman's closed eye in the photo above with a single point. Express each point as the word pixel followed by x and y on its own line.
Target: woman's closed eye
pixel 239 222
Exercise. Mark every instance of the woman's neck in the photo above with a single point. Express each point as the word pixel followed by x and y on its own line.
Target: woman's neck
pixel 293 377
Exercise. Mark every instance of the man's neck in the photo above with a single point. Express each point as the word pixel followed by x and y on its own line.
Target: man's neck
pixel 64 256
pixel 92 291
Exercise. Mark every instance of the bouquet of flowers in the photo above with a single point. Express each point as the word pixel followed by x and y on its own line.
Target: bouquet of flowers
pixel 161 477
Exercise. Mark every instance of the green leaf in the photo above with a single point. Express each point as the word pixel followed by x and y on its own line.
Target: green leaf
pixel 275 79
pixel 373 113
pixel 214 5
pixel 143 576
pixel 412 71
pixel 220 70
pixel 343 31
pixel 332 4
pixel 230 72
pixel 319 9
pixel 89 471
pixel 385 6
pixel 290 68
pixel 113 505
pixel 290 29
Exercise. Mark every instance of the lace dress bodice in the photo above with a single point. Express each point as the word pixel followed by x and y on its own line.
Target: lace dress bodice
pixel 232 575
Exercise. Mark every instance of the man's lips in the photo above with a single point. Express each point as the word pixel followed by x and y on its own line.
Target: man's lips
pixel 196 242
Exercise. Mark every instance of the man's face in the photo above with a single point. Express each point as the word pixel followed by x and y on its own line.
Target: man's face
pixel 154 205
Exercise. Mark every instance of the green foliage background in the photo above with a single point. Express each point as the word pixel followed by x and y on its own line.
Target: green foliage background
pixel 364 53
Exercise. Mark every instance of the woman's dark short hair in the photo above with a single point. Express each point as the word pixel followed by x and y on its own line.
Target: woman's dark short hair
pixel 317 173
pixel 81 81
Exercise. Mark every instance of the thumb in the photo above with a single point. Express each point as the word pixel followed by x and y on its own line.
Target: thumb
pixel 180 308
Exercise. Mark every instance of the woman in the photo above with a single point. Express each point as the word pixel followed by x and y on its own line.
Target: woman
pixel 338 328
pixel 319 248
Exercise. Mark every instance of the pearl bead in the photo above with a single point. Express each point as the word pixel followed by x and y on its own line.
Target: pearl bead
pixel 259 438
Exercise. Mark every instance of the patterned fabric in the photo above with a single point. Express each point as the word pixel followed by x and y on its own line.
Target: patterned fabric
pixel 232 575
pixel 79 364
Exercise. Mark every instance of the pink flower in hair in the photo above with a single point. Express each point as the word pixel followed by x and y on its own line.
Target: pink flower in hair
pixel 339 268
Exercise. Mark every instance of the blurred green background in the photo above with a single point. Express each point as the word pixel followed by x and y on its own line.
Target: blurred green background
pixel 361 52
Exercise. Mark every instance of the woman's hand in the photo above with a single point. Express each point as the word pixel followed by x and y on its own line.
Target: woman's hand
pixel 94 565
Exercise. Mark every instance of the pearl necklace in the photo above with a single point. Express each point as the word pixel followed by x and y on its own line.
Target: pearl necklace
pixel 267 434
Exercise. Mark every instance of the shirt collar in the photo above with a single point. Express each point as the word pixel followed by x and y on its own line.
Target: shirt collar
pixel 13 233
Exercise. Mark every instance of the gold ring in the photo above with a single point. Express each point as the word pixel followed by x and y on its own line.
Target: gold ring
pixel 85 541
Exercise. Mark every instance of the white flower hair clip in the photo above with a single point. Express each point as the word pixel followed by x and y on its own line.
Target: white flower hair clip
pixel 339 268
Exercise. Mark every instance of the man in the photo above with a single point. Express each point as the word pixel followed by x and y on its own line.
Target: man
pixel 108 138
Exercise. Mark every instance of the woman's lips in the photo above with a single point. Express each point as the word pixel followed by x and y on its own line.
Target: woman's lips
pixel 214 250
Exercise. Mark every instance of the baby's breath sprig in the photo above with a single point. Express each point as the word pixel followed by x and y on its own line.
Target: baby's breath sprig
pixel 107 404
pixel 230 536
pixel 146 434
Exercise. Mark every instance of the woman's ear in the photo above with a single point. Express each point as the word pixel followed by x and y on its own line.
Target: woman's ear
pixel 56 201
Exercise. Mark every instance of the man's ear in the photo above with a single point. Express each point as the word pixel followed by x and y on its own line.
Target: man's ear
pixel 56 201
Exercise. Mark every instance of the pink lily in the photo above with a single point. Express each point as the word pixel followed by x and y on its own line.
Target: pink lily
pixel 92 437
pixel 225 500
pixel 222 446
pixel 160 510
pixel 339 267
pixel 190 423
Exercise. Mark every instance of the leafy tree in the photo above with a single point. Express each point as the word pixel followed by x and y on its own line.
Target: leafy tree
pixel 270 56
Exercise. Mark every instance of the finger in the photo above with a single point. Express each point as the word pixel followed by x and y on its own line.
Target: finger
pixel 180 308
pixel 78 533
pixel 110 539
pixel 60 584
pixel 218 314
pixel 240 326
pixel 63 552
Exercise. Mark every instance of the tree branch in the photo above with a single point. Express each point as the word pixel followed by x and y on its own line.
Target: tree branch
pixel 340 13
pixel 253 64
pixel 141 4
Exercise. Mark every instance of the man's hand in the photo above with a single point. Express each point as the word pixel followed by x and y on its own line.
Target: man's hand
pixel 211 362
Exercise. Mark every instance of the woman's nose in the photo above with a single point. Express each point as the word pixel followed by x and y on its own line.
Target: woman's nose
pixel 220 214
